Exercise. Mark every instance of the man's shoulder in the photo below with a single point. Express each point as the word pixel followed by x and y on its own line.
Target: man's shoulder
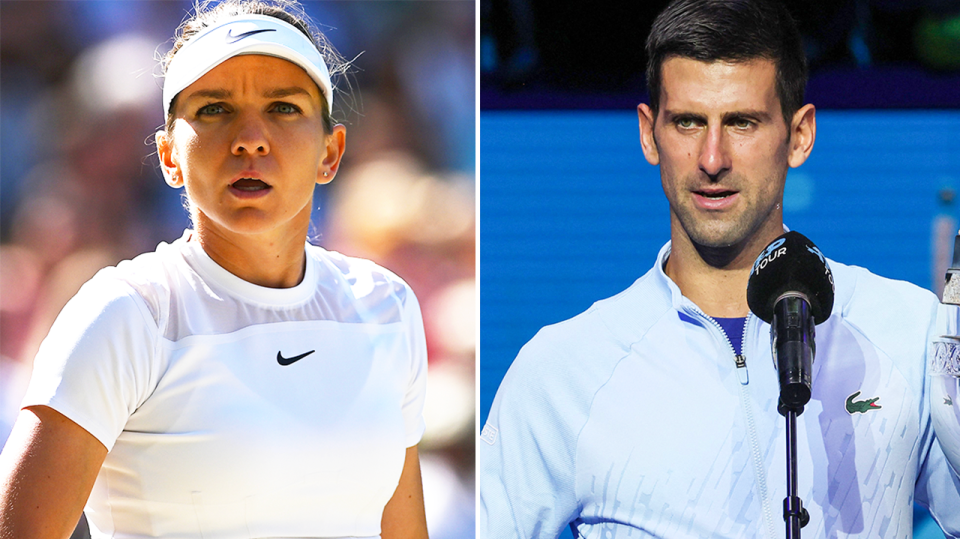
pixel 857 286
pixel 557 374
pixel 896 316
pixel 602 334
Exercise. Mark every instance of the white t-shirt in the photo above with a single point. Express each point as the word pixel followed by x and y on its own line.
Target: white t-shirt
pixel 234 410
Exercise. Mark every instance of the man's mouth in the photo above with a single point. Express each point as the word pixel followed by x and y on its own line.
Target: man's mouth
pixel 715 195
pixel 249 184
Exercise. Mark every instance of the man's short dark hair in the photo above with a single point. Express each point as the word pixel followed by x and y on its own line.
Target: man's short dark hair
pixel 732 31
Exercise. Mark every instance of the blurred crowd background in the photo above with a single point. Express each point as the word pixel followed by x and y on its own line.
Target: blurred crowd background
pixel 80 187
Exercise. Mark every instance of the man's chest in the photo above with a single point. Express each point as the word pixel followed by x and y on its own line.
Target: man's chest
pixel 682 441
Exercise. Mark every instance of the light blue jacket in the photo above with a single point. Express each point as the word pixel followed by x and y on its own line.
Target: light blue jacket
pixel 633 420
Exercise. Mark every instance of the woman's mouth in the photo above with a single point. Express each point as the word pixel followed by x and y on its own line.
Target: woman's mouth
pixel 249 184
pixel 249 188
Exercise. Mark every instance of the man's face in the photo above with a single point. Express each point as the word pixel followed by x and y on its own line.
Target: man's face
pixel 723 149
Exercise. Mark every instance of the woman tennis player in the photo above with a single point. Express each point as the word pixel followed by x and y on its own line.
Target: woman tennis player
pixel 237 382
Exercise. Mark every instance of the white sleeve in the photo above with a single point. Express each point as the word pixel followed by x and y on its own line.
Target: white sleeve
pixel 95 364
pixel 526 457
pixel 938 488
pixel 414 425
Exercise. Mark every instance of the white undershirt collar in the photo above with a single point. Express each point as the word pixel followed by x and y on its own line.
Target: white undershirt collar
pixel 214 273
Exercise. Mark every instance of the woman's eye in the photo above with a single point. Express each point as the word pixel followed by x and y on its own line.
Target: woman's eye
pixel 286 108
pixel 211 109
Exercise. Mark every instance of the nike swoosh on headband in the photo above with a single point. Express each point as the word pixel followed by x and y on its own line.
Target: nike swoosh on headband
pixel 276 38
pixel 234 38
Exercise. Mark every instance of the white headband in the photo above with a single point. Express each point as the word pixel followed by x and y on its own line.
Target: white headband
pixel 244 34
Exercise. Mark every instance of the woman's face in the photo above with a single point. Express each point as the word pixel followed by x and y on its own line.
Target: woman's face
pixel 249 145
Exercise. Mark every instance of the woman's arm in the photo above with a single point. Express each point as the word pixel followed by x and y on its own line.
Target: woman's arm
pixel 404 517
pixel 47 470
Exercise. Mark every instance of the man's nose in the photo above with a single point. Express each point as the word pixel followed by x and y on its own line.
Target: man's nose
pixel 714 153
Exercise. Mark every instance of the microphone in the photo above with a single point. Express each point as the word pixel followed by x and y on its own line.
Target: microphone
pixel 791 288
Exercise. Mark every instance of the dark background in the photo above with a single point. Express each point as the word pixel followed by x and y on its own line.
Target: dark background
pixel 581 55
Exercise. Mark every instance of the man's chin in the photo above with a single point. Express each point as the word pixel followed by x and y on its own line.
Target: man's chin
pixel 719 248
pixel 727 238
pixel 720 257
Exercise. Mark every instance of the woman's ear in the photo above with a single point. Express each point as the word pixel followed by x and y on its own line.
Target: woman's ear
pixel 169 163
pixel 335 143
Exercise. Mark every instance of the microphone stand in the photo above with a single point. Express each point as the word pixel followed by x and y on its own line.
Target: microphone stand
pixel 794 515
pixel 798 284
pixel 794 359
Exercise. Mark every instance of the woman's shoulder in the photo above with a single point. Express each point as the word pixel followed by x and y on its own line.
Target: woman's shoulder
pixel 113 299
pixel 150 277
pixel 362 277
pixel 353 268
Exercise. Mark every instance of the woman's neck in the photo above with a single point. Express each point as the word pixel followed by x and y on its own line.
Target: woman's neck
pixel 275 259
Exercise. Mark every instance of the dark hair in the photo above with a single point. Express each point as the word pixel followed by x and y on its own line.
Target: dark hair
pixel 209 12
pixel 734 31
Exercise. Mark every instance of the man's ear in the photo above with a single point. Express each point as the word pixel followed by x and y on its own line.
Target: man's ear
pixel 169 163
pixel 336 143
pixel 803 132
pixel 647 139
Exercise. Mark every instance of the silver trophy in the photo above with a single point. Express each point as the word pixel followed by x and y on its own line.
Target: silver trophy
pixel 945 366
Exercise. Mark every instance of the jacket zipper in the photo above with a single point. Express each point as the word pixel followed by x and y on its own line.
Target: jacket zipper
pixel 744 377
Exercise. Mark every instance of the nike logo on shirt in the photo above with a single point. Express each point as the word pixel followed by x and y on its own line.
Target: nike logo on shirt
pixel 231 38
pixel 291 360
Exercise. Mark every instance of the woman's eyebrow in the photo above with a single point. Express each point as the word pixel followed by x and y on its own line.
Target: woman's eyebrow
pixel 211 94
pixel 274 93
pixel 286 92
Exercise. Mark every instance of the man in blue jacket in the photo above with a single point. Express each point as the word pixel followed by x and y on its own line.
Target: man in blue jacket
pixel 654 413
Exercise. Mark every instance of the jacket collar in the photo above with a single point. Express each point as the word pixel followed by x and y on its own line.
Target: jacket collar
pixel 842 292
pixel 666 283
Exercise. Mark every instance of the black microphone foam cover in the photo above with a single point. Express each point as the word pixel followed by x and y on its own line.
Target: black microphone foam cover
pixel 791 263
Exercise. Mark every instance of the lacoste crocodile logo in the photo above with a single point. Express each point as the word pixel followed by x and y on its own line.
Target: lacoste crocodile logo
pixel 948 401
pixel 291 360
pixel 861 406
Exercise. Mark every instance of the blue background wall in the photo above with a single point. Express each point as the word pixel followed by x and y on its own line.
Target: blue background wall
pixel 570 212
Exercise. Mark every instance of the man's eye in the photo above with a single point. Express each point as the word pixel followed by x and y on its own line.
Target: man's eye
pixel 685 123
pixel 742 123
